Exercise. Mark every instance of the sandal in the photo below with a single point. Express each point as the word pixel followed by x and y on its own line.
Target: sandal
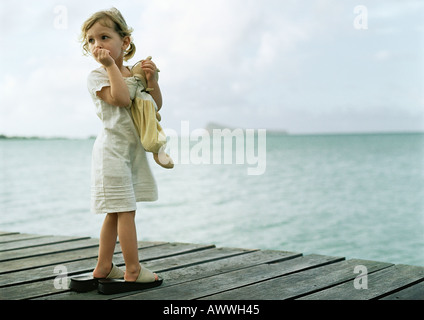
pixel 145 280
pixel 86 282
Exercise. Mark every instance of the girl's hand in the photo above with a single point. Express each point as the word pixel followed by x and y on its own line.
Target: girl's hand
pixel 149 69
pixel 103 56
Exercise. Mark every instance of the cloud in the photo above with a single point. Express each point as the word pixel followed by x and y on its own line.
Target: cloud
pixel 382 55
pixel 48 97
pixel 269 64
pixel 221 57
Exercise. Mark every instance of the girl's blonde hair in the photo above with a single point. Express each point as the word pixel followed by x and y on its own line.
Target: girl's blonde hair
pixel 109 18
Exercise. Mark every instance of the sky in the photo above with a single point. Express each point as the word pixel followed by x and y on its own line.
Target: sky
pixel 312 66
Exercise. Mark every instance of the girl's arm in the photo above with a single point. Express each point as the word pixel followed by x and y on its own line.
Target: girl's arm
pixel 117 94
pixel 149 69
pixel 155 93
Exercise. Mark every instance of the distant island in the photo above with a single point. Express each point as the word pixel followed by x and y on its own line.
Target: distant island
pixel 5 137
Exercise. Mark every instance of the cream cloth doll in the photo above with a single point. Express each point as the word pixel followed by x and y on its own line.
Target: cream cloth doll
pixel 146 119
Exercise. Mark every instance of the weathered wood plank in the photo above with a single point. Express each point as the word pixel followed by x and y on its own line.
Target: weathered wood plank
pixel 5 233
pixel 50 259
pixel 194 271
pixel 300 283
pixel 195 258
pixel 85 263
pixel 197 271
pixel 18 237
pixel 48 249
pixel 79 252
pixel 213 278
pixel 263 272
pixel 212 268
pixel 378 284
pixel 47 287
pixel 413 292
pixel 82 265
pixel 160 265
pixel 171 249
pixel 28 290
pixel 45 272
pixel 36 242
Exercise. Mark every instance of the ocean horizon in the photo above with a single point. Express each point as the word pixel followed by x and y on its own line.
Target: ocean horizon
pixel 357 195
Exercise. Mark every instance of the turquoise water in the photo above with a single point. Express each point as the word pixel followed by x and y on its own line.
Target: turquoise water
pixel 357 196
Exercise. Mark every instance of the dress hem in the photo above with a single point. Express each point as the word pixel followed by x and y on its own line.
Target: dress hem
pixel 122 209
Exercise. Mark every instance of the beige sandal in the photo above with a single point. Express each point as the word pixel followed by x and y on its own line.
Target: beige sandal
pixel 86 282
pixel 145 280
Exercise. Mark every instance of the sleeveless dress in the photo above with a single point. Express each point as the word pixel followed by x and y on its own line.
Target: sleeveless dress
pixel 120 172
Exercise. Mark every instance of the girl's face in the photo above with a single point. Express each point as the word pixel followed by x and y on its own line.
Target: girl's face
pixel 102 37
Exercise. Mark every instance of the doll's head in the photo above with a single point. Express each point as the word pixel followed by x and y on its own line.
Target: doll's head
pixel 111 18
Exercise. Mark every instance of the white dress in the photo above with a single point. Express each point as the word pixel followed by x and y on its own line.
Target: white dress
pixel 120 172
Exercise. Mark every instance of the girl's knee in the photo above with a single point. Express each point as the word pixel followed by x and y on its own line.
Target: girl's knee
pixel 126 214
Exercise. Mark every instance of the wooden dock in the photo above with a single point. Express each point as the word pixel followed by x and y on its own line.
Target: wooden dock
pixel 38 267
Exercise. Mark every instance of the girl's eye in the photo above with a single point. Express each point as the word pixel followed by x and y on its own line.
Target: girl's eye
pixel 104 37
pixel 90 40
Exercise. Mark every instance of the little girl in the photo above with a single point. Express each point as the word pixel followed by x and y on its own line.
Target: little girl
pixel 121 175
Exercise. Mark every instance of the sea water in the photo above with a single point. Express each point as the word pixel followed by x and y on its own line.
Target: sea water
pixel 352 195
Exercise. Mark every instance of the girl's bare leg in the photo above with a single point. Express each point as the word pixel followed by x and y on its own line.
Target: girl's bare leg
pixel 128 239
pixel 120 224
pixel 108 236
